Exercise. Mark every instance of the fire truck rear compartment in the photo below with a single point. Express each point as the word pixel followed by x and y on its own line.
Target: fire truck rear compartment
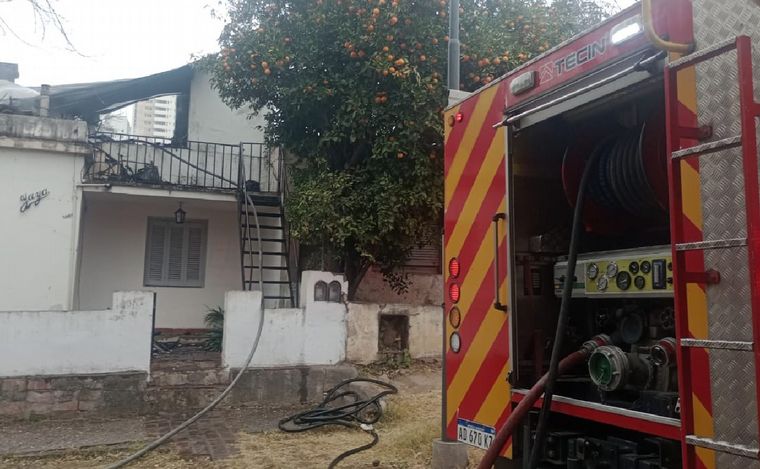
pixel 622 285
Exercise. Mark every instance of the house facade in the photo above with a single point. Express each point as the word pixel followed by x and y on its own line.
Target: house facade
pixel 87 213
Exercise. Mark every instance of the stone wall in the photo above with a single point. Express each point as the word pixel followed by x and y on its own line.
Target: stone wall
pixel 122 393
pixel 425 323
pixel 424 289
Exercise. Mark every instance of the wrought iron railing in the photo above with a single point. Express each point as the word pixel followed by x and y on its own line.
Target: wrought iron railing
pixel 138 160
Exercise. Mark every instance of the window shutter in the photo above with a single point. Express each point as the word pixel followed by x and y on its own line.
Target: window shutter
pixel 194 254
pixel 176 248
pixel 154 273
pixel 175 254
pixel 424 258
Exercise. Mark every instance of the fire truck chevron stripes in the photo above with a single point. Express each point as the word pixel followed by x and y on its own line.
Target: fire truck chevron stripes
pixel 475 190
pixel 696 299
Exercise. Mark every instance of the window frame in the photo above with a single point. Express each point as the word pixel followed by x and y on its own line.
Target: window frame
pixel 184 282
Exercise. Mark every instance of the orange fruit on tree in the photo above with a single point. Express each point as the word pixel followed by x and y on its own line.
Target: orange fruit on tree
pixel 393 20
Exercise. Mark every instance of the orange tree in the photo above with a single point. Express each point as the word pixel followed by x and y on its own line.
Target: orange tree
pixel 353 89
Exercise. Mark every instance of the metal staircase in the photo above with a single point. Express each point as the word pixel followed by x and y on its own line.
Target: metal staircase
pixel 717 260
pixel 264 253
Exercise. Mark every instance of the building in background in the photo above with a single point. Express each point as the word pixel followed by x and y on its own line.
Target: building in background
pixel 116 123
pixel 155 117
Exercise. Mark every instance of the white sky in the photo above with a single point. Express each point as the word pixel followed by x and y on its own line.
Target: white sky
pixel 117 38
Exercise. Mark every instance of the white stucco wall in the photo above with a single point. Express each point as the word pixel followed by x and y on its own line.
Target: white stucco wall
pixel 38 246
pixel 78 342
pixel 113 254
pixel 315 335
pixel 363 322
pixel 210 120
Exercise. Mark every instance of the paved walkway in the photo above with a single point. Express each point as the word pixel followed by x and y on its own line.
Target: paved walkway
pixel 213 436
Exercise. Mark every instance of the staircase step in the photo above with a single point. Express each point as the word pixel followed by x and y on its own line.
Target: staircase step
pixel 266 240
pixel 264 214
pixel 269 297
pixel 266 253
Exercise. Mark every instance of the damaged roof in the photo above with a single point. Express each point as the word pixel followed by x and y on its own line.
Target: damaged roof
pixel 88 100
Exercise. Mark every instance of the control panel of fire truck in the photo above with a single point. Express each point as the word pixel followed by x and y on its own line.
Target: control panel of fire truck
pixel 622 285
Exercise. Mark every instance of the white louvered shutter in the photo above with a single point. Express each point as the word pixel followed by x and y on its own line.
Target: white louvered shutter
pixel 195 251
pixel 154 269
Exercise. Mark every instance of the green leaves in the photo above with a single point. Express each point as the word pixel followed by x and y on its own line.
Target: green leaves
pixel 354 90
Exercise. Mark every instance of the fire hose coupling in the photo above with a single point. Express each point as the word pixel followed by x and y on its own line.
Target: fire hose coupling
pixel 595 342
pixel 664 352
pixel 611 369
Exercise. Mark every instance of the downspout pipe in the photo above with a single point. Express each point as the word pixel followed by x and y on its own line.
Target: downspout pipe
pixel 454 46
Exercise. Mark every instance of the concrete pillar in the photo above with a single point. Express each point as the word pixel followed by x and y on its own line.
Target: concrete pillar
pixel 449 455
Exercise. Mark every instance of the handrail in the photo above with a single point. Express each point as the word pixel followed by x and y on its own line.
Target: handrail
pixel 654 38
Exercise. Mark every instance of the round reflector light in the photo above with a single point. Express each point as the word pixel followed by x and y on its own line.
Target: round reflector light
pixel 459 116
pixel 455 317
pixel 454 292
pixel 455 342
pixel 454 267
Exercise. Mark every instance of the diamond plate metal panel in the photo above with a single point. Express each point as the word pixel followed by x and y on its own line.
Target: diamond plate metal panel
pixel 729 312
pixel 733 393
pixel 723 209
pixel 730 461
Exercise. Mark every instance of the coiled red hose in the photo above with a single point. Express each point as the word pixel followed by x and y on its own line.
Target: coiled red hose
pixel 519 412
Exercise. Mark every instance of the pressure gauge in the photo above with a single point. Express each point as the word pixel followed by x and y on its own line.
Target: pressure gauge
pixel 640 282
pixel 633 267
pixel 592 271
pixel 601 283
pixel 646 267
pixel 623 280
pixel 612 270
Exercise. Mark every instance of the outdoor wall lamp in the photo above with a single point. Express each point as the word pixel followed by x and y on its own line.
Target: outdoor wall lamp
pixel 179 215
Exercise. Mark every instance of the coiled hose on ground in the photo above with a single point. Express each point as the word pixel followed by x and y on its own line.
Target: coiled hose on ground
pixel 255 345
pixel 546 384
pixel 357 413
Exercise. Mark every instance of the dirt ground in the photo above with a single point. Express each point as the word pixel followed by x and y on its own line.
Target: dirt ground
pixel 409 425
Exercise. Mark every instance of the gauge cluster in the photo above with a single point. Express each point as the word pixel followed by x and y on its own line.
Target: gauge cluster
pixel 626 273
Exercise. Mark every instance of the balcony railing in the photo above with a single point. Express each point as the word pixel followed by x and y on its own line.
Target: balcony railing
pixel 154 161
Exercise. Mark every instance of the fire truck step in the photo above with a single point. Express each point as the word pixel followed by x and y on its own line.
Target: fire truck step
pixel 726 447
pixel 709 147
pixel 703 54
pixel 719 344
pixel 716 244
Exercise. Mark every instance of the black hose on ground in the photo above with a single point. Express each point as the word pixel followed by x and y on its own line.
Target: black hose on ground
pixel 567 292
pixel 357 413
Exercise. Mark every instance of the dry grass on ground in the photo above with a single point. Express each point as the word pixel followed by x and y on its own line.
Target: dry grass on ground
pixel 406 433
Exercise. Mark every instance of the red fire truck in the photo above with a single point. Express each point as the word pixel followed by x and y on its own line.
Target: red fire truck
pixel 642 133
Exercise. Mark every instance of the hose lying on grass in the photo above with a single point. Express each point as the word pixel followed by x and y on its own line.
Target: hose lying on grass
pixel 357 413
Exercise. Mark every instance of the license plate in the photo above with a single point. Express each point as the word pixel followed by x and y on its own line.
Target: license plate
pixel 475 434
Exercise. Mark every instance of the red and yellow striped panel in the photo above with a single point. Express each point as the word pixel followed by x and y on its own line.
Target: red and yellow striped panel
pixel 696 298
pixel 475 190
